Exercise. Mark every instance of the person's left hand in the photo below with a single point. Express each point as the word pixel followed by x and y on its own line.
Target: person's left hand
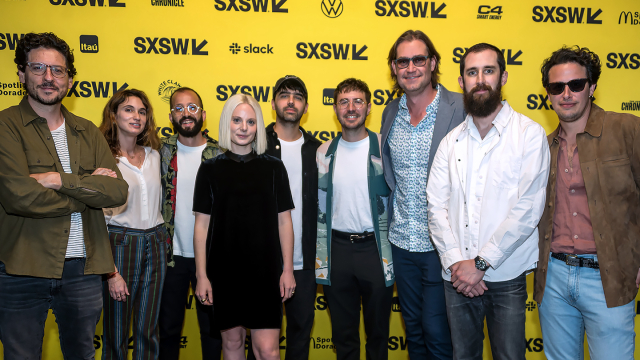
pixel 50 180
pixel 466 276
pixel 287 285
pixel 105 172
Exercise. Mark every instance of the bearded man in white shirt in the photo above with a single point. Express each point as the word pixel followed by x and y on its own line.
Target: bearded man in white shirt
pixel 486 194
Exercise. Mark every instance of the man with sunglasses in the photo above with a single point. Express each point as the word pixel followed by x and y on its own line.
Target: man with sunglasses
pixel 412 128
pixel 183 151
pixel 57 175
pixel 588 273
pixel 486 194
pixel 353 256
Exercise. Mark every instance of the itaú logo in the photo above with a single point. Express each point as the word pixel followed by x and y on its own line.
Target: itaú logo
pixel 332 8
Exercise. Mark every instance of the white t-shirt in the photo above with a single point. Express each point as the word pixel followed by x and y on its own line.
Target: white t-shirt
pixel 144 199
pixel 292 158
pixel 189 159
pixel 351 209
pixel 75 246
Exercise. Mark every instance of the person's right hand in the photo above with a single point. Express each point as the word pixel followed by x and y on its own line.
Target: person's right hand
pixel 105 172
pixel 118 287
pixel 203 291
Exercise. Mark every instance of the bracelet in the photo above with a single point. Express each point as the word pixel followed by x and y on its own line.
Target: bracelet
pixel 112 275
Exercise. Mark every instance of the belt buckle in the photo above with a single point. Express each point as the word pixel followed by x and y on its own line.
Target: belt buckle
pixel 572 260
pixel 354 237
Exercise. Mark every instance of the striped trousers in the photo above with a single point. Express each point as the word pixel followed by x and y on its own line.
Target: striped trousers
pixel 140 256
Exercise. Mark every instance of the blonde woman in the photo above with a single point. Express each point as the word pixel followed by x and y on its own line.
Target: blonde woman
pixel 136 234
pixel 243 238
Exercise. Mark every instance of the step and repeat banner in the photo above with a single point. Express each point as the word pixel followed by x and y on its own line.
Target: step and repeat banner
pixel 224 47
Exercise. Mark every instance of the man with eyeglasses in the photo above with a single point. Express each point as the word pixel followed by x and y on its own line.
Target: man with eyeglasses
pixel 57 175
pixel 486 194
pixel 183 151
pixel 412 128
pixel 353 256
pixel 588 273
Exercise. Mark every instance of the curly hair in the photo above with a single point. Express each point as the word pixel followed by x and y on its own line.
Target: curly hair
pixel 47 40
pixel 575 54
pixel 351 84
pixel 109 126
pixel 411 35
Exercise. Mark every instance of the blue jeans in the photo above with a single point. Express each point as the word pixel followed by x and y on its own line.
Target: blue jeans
pixel 421 294
pixel 573 302
pixel 504 307
pixel 76 301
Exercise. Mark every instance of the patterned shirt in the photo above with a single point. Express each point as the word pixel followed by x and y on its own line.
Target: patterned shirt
pixel 410 146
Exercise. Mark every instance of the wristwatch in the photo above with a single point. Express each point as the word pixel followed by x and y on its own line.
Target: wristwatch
pixel 481 264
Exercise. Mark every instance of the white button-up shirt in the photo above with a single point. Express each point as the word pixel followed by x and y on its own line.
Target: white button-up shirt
pixel 486 196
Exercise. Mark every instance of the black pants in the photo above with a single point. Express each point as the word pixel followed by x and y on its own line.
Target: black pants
pixel 356 273
pixel 172 308
pixel 300 312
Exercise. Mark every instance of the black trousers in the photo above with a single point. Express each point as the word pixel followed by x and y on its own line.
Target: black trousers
pixel 357 274
pixel 172 309
pixel 300 311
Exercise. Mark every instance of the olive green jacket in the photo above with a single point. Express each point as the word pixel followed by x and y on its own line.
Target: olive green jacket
pixel 34 220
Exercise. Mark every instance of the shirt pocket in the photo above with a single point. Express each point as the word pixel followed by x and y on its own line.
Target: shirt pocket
pixel 619 180
pixel 87 164
pixel 39 161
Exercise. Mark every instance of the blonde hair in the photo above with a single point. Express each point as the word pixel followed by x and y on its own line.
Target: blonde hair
pixel 259 144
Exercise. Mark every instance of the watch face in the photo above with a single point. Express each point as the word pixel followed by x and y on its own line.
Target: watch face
pixel 481 264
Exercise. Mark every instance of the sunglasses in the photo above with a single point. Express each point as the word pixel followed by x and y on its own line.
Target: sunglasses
pixel 575 86
pixel 418 61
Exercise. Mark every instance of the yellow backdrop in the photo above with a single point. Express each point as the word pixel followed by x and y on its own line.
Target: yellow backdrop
pixel 222 47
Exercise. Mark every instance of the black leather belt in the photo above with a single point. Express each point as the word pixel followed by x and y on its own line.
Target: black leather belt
pixel 354 238
pixel 574 260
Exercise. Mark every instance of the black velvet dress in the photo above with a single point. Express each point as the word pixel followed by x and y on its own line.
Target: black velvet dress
pixel 244 194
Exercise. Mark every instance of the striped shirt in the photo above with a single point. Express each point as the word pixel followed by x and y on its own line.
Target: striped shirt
pixel 75 247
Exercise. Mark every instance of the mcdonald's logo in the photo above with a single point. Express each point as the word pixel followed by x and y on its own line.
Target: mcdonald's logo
pixel 629 18
pixel 332 8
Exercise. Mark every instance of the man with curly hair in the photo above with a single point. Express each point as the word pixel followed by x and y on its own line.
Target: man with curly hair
pixel 589 231
pixel 57 175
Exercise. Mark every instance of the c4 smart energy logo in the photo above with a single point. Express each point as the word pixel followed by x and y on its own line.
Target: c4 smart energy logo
pixel 623 61
pixel 328 51
pixel 251 5
pixel 332 8
pixel 165 46
pixel 561 14
pixel 109 3
pixel 410 9
pixel 251 49
pixel 89 44
pixel 10 40
pixel 489 12
pixel 629 18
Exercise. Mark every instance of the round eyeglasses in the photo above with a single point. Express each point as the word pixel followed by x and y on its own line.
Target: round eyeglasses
pixel 191 108
pixel 357 103
pixel 37 68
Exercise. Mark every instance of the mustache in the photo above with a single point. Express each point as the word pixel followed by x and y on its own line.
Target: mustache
pixel 182 119
pixel 481 87
pixel 49 84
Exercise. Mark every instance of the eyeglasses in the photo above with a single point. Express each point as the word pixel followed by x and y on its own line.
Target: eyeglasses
pixel 357 103
pixel 191 108
pixel 418 60
pixel 575 85
pixel 58 71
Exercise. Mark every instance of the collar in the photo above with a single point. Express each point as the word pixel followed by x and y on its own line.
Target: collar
pixel 241 158
pixel 499 122
pixel 29 115
pixel 374 148
pixel 594 126
pixel 173 139
pixel 270 132
pixel 436 100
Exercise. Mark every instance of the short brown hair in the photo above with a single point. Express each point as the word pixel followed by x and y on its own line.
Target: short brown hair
pixel 352 84
pixel 411 35
pixel 109 127
pixel 47 40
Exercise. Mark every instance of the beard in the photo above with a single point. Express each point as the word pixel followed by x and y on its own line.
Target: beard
pixel 32 91
pixel 294 118
pixel 482 106
pixel 189 133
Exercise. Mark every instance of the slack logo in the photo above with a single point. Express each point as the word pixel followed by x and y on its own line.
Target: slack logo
pixel 89 43
pixel 251 49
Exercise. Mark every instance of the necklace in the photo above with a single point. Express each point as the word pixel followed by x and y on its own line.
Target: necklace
pixel 137 158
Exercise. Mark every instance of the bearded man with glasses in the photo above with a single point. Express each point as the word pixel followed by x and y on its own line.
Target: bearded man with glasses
pixel 412 128
pixel 588 273
pixel 183 151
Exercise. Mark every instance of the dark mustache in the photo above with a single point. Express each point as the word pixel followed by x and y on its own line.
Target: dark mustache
pixel 46 83
pixel 481 87
pixel 187 118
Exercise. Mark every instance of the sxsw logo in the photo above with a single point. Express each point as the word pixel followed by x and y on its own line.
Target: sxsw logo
pixel 538 102
pixel 89 43
pixel 251 5
pixel 251 49
pixel 397 342
pixel 511 56
pixel 629 18
pixel 409 8
pixel 321 301
pixel 328 51
pixel 10 39
pixel 534 345
pixel 621 60
pixel 380 97
pixel 110 3
pixel 99 89
pixel 489 13
pixel 260 93
pixel 561 14
pixel 332 8
pixel 176 46
pixel 633 105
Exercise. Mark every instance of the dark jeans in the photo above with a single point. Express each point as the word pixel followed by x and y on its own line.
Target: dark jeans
pixel 356 273
pixel 504 307
pixel 421 294
pixel 300 312
pixel 76 301
pixel 172 309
